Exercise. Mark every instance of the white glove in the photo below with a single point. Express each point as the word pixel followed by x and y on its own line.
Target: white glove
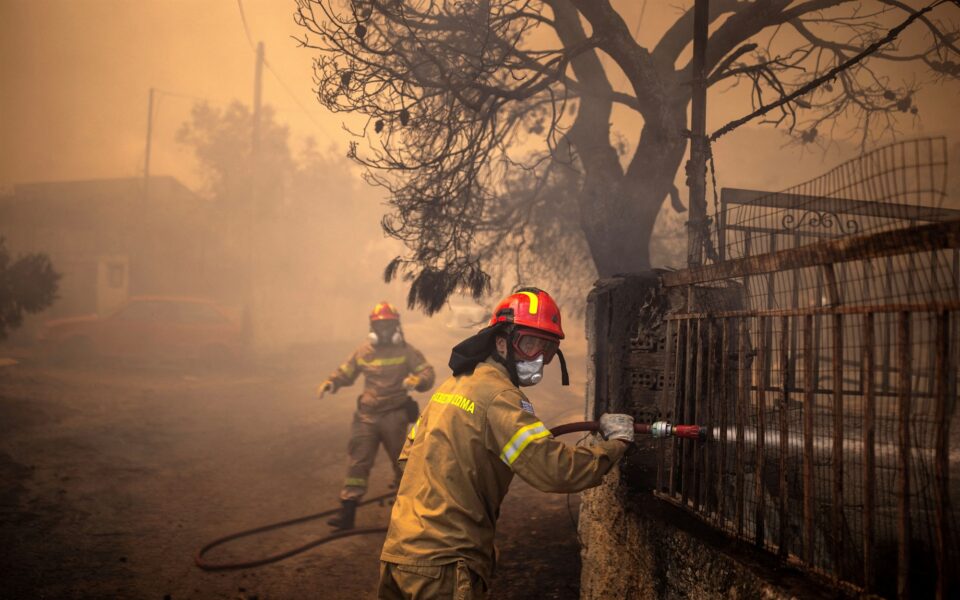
pixel 617 427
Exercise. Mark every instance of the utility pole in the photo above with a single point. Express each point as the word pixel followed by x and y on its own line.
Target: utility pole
pixel 257 93
pixel 253 200
pixel 146 160
pixel 697 230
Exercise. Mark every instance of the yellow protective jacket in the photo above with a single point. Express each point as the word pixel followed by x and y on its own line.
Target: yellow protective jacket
pixel 384 368
pixel 477 431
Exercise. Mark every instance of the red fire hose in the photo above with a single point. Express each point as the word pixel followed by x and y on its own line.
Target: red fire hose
pixel 659 429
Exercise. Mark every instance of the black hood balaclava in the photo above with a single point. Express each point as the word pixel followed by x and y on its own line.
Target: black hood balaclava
pixel 472 351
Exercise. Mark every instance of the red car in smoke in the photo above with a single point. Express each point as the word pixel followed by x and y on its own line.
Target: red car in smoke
pixel 149 327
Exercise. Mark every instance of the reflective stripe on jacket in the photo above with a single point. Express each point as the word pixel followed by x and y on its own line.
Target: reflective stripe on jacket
pixel 384 368
pixel 461 455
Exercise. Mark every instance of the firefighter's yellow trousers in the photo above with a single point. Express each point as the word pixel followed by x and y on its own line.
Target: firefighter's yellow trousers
pixel 367 432
pixel 453 581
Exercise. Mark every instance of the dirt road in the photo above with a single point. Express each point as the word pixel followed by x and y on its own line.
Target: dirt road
pixel 110 479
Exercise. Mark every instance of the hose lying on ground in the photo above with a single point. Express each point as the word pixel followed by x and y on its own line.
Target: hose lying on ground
pixel 201 562
pixel 658 429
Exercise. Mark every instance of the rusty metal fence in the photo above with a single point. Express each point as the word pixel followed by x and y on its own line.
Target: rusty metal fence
pixel 822 354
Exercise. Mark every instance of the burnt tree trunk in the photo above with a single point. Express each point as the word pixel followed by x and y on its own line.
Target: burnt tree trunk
pixel 618 206
pixel 618 210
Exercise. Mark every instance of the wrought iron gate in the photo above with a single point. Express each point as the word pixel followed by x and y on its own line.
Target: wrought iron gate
pixel 830 385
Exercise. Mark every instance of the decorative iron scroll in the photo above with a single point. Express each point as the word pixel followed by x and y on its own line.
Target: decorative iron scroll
pixel 823 220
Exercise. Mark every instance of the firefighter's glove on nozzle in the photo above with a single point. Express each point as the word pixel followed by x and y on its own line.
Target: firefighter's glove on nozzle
pixel 411 381
pixel 617 427
pixel 326 386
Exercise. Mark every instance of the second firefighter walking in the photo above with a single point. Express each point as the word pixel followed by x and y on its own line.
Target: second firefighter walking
pixel 391 368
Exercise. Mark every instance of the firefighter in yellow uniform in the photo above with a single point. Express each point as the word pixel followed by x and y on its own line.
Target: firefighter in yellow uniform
pixel 391 367
pixel 475 434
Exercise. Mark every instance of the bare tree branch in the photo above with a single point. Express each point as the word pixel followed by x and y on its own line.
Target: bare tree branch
pixel 497 150
pixel 829 75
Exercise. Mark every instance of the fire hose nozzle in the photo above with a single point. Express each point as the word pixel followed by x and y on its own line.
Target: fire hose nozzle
pixel 660 429
pixel 663 429
pixel 690 432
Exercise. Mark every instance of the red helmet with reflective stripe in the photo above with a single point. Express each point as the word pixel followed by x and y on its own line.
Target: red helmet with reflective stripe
pixel 529 307
pixel 384 311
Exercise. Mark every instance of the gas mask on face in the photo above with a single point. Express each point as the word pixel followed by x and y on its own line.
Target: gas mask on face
pixel 530 372
pixel 381 336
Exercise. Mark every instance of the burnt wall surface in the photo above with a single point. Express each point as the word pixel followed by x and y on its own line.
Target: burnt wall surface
pixel 634 545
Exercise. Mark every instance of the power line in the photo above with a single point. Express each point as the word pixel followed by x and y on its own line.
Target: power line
pixel 185 96
pixel 246 28
pixel 293 96
pixel 636 29
pixel 283 84
pixel 181 95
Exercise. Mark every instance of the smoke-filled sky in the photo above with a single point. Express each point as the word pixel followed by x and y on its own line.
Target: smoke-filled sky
pixel 75 74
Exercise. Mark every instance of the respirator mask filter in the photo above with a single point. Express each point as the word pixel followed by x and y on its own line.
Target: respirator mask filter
pixel 381 335
pixel 530 372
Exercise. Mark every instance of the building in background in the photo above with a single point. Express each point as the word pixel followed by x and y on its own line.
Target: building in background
pixel 109 241
pixel 300 276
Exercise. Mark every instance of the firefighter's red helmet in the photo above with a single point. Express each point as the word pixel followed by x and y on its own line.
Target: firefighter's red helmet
pixel 529 307
pixel 384 311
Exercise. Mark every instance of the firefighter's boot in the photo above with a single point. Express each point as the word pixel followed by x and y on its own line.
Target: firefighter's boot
pixel 344 519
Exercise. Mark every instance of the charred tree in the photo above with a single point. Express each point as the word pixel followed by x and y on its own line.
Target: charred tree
pixel 470 110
